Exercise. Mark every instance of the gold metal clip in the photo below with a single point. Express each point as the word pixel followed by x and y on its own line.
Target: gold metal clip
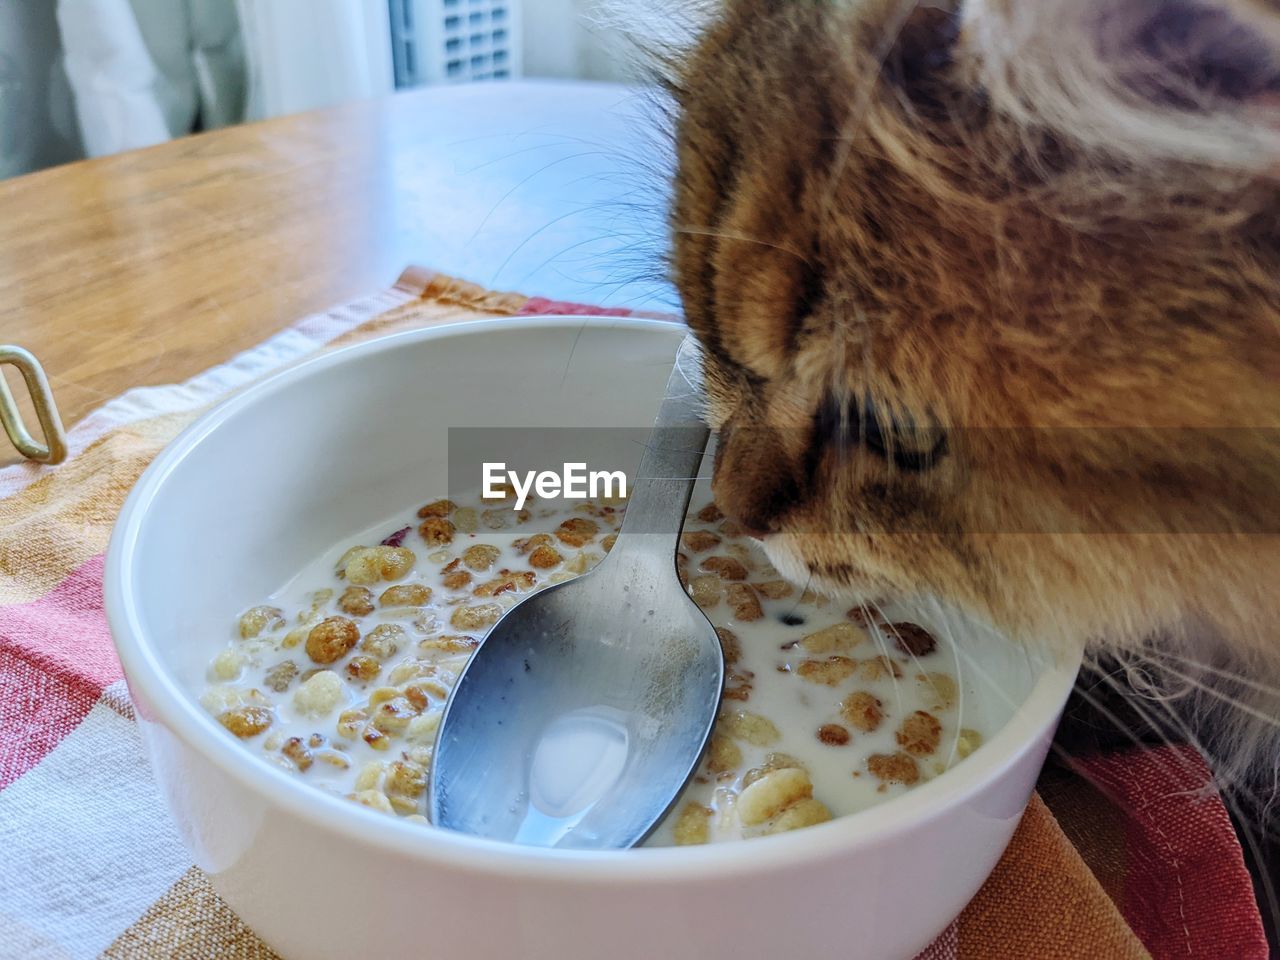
pixel 54 448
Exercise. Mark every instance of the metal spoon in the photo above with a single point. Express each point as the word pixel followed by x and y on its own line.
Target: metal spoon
pixel 586 710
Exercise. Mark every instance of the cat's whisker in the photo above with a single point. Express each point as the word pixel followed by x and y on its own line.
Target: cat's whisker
pixel 943 620
pixel 1220 776
pixel 1233 676
pixel 742 238
pixel 1228 797
pixel 883 647
pixel 1224 697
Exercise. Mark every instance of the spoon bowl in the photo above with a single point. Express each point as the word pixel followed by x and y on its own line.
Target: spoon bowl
pixel 587 714
pixel 586 709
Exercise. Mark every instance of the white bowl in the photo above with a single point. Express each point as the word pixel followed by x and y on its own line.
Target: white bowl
pixel 283 470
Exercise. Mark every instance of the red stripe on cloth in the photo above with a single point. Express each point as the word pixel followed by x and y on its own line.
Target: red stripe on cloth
pixel 1187 892
pixel 37 710
pixel 541 306
pixel 65 631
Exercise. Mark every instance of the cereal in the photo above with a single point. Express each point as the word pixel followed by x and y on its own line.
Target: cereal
pixel 281 675
pixel 694 825
pixel 699 541
pixel 893 768
pixel 805 813
pixel 422 728
pixel 228 664
pixel 374 800
pixel 318 601
pixel 750 727
pixel 383 641
pixel 515 581
pixel 246 721
pixel 456 579
pixel 369 777
pixel 393 716
pixel 364 566
pixel 363 668
pixel 938 691
pixel 743 602
pixel 577 531
pixel 878 668
pixel 771 794
pixel 727 568
pixel 838 636
pixel 774 761
pixel 297 751
pixel 318 695
pixel 730 645
pixel 545 557
pixel 919 734
pixel 833 735
pixel 351 721
pixel 405 595
pixel 582 562
pixel 331 639
pixel 437 531
pixel 481 556
pixel 737 686
pixel 710 514
pixel 967 741
pixel 389 635
pixel 356 601
pixel 862 711
pixel 723 754
pixel 405 779
pixel 496 519
pixel 475 617
pixel 705 591
pixel 832 671
pixel 256 619
pixel 911 639
pixel 451 643
pixel 774 589
pixel 294 637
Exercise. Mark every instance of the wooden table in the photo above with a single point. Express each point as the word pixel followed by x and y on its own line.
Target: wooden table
pixel 150 266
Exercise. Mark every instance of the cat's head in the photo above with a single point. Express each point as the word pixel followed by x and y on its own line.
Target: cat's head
pixel 990 299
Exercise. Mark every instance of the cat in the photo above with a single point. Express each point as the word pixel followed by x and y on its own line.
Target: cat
pixel 989 297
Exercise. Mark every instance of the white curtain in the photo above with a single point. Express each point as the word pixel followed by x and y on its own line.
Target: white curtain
pixel 143 71
pixel 37 121
pixel 109 75
pixel 305 54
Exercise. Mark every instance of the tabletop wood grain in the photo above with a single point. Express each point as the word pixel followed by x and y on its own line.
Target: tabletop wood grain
pixel 150 266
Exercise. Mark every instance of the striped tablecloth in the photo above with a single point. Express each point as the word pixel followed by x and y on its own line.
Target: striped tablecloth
pixel 1142 862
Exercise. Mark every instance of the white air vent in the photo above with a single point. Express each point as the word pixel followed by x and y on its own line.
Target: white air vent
pixel 453 41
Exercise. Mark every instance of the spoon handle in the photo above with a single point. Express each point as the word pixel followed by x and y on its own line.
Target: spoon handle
pixel 667 472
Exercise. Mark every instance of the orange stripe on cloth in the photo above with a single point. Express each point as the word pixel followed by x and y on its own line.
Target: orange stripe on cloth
pixel 1042 901
pixel 63 519
pixel 190 922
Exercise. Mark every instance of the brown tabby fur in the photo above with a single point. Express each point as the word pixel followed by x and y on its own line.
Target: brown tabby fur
pixel 867 204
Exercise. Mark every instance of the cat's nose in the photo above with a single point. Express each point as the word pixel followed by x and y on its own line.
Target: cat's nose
pixel 753 484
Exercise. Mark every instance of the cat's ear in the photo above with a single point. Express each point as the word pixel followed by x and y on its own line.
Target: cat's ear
pixel 1197 80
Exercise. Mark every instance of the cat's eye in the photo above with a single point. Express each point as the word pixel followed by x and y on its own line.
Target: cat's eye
pixel 909 445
